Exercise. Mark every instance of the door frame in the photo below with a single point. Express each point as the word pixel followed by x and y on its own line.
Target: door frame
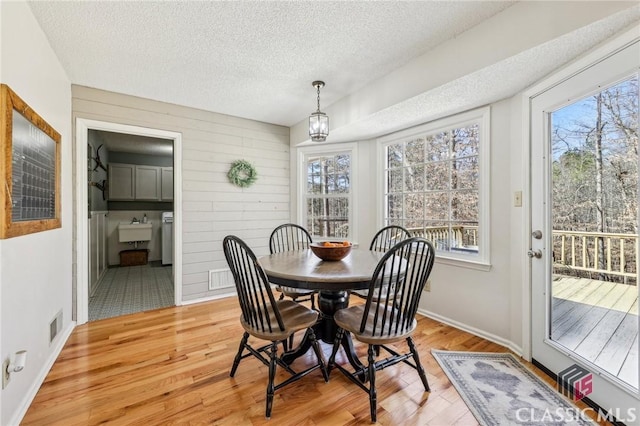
pixel 625 38
pixel 83 126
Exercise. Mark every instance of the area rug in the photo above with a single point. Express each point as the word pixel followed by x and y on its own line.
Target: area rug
pixel 499 390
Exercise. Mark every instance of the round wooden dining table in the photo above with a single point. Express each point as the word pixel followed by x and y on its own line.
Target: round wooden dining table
pixel 332 280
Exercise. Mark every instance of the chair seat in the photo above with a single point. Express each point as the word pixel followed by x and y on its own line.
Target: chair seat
pixel 294 317
pixel 351 318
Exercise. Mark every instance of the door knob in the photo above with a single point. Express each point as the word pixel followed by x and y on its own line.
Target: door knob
pixel 534 253
pixel 537 234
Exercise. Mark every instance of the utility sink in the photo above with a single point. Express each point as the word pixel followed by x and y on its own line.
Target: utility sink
pixel 129 232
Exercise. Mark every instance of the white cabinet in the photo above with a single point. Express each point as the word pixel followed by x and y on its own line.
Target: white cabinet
pixel 166 183
pixel 137 182
pixel 148 183
pixel 122 181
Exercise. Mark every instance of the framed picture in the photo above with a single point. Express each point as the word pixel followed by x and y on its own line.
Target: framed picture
pixel 30 169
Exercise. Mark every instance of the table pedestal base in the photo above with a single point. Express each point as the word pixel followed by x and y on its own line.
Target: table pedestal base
pixel 329 302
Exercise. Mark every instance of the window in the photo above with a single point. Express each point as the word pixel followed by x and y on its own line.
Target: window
pixel 327 193
pixel 436 184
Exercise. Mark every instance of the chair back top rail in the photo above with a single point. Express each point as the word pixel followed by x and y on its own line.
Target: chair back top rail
pixel 259 308
pixel 387 237
pixel 394 310
pixel 289 237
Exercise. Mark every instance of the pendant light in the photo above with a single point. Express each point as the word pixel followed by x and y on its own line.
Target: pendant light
pixel 318 121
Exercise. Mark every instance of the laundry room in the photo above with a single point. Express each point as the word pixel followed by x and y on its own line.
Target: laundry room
pixel 130 219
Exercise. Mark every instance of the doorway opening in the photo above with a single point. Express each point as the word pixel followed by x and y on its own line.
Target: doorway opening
pixel 126 176
pixel 130 217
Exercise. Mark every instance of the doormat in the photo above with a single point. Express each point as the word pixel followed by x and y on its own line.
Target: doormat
pixel 499 390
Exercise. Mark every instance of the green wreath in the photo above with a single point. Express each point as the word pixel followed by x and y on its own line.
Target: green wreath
pixel 242 173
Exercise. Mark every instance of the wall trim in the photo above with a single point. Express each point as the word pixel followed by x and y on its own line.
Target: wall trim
pixel 209 298
pixel 31 393
pixel 475 331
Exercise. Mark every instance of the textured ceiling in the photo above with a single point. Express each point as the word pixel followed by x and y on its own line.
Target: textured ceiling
pixel 248 59
pixel 490 84
pixel 257 59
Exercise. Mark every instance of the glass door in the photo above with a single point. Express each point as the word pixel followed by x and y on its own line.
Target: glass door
pixel 584 246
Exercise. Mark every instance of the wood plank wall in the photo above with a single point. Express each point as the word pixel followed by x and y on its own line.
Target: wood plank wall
pixel 212 207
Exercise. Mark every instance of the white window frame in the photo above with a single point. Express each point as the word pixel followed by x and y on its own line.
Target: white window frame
pixel 328 150
pixel 482 116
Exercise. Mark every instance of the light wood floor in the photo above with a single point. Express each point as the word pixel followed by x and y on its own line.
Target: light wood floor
pixel 171 366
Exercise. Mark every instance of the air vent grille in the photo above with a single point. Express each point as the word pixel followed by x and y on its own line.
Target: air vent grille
pixel 220 278
pixel 55 326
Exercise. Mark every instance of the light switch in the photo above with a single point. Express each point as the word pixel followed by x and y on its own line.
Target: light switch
pixel 517 199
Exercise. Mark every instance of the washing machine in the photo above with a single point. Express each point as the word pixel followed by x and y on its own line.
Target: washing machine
pixel 167 238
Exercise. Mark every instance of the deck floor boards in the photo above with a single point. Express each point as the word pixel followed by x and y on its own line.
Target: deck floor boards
pixel 595 341
pixel 599 321
pixel 629 370
pixel 619 345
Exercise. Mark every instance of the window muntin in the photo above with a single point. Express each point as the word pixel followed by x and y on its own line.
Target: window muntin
pixel 328 194
pixel 435 181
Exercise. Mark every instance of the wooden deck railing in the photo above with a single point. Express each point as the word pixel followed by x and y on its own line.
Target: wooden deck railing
pixel 462 237
pixel 579 251
pixel 573 250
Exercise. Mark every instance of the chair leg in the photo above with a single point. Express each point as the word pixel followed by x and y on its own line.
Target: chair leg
pixel 236 360
pixel 290 341
pixel 313 304
pixel 273 350
pixel 295 299
pixel 416 359
pixel 336 346
pixel 373 398
pixel 316 349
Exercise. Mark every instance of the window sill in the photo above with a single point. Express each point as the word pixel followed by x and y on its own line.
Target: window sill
pixel 463 263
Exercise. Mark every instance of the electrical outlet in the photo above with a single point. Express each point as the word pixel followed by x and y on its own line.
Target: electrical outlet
pixel 6 376
pixel 427 286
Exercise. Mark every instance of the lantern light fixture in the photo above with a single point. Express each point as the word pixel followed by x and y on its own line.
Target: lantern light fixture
pixel 318 121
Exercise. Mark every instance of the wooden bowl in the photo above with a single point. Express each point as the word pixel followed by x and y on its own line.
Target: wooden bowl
pixel 337 252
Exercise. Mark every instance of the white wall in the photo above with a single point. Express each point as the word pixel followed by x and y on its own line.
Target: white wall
pixel 35 270
pixel 478 299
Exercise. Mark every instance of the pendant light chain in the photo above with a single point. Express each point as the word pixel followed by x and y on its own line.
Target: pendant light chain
pixel 318 86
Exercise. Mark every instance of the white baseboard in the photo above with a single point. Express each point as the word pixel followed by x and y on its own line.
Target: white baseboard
pixel 208 298
pixel 475 331
pixel 37 383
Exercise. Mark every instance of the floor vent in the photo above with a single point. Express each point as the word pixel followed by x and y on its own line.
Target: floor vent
pixel 55 326
pixel 220 278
